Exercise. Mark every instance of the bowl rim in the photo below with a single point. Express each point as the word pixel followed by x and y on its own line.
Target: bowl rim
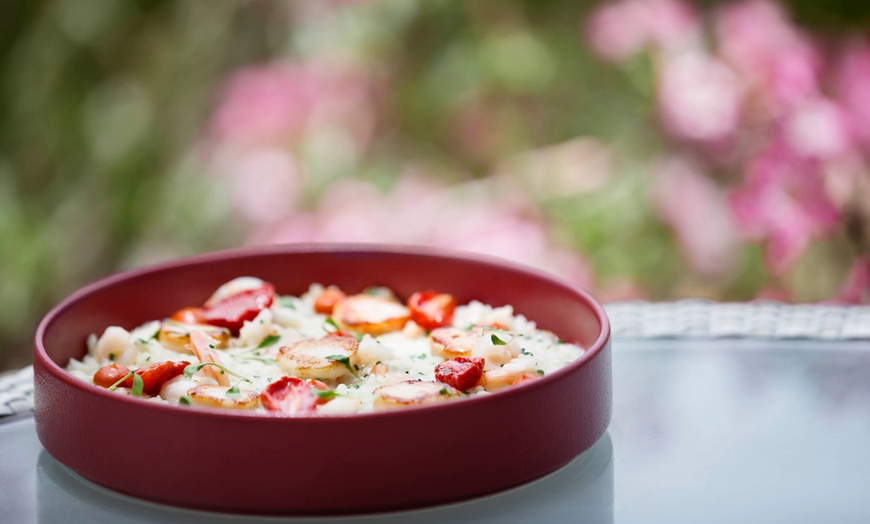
pixel 60 373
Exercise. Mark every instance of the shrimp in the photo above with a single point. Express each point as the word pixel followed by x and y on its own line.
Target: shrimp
pixel 116 345
pixel 509 374
pixel 203 347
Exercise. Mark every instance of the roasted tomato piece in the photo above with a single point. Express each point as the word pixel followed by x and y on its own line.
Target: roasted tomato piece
pixel 292 396
pixel 107 376
pixel 154 375
pixel 327 299
pixel 462 373
pixel 232 311
pixel 430 309
pixel 188 315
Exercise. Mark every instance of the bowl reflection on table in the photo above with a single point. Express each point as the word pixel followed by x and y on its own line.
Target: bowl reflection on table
pixel 582 491
pixel 373 462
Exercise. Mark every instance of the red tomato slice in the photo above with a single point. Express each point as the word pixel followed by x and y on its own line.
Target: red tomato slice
pixel 107 376
pixel 233 311
pixel 327 299
pixel 154 375
pixel 463 373
pixel 188 315
pixel 430 309
pixel 290 395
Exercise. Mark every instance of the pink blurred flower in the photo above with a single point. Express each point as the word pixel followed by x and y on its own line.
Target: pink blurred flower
pixel 852 86
pixel 617 30
pixel 817 128
pixel 263 183
pixel 264 103
pixel 699 97
pixel 473 217
pixel 780 62
pixel 275 103
pixel 697 210
pixel 783 202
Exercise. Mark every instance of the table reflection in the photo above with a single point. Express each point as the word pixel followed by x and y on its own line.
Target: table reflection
pixel 582 491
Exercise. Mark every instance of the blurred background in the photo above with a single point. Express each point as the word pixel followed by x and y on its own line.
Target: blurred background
pixel 642 149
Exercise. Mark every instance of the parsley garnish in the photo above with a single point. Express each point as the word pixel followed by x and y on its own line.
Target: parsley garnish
pixel 138 385
pixel 345 360
pixel 444 391
pixel 268 341
pixel 185 401
pixel 331 323
pixel 324 394
pixel 497 341
pixel 190 370
pixel 123 379
pixel 234 393
pixel 540 372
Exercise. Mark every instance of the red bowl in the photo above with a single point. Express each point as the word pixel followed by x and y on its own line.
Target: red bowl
pixel 238 462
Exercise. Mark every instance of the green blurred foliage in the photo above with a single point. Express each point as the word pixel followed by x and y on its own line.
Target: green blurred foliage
pixel 103 104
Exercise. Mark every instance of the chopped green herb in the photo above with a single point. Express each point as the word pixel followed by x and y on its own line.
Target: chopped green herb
pixel 422 356
pixel 344 360
pixel 540 372
pixel 123 379
pixel 185 401
pixel 324 394
pixel 331 323
pixel 148 358
pixel 288 302
pixel 234 393
pixel 190 370
pixel 378 291
pixel 260 359
pixel 268 341
pixel 497 341
pixel 444 391
pixel 211 346
pixel 138 385
pixel 112 357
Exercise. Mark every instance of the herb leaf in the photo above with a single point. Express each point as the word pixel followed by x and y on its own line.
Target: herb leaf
pixel 190 370
pixel 345 360
pixel 114 386
pixel 234 393
pixel 330 322
pixel 325 394
pixel 185 401
pixel 497 341
pixel 138 385
pixel 268 341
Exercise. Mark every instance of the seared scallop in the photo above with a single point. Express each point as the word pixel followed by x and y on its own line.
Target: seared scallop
pixel 329 357
pixel 451 342
pixel 410 393
pixel 374 315
pixel 221 397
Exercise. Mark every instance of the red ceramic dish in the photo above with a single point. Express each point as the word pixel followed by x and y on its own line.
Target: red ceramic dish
pixel 239 462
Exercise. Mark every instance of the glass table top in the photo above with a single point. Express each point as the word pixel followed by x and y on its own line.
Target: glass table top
pixel 724 430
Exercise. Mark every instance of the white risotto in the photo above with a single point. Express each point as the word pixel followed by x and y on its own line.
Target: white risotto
pixel 322 353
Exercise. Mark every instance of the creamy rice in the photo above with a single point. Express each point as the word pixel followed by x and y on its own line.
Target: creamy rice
pixel 513 350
